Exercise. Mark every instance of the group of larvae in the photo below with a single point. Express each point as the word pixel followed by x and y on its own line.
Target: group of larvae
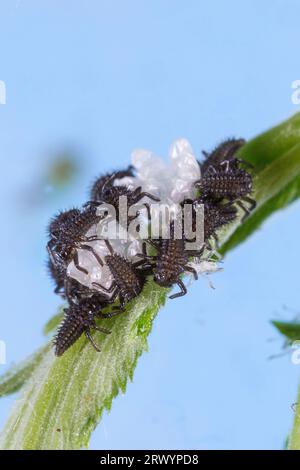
pixel 225 185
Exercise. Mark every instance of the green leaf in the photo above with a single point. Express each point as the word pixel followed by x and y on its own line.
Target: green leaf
pixel 294 439
pixel 62 403
pixel 15 378
pixel 291 330
pixel 17 375
pixel 53 323
pixel 271 153
pixel 272 144
pixel 64 398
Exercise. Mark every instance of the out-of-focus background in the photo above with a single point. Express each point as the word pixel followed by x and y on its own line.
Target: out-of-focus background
pixel 86 83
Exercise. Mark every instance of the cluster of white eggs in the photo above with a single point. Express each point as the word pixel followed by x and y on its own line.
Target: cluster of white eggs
pixel 171 182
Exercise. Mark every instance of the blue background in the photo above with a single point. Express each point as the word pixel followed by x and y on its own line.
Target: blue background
pixel 104 77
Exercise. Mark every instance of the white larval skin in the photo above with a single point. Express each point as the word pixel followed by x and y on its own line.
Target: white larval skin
pixel 171 182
